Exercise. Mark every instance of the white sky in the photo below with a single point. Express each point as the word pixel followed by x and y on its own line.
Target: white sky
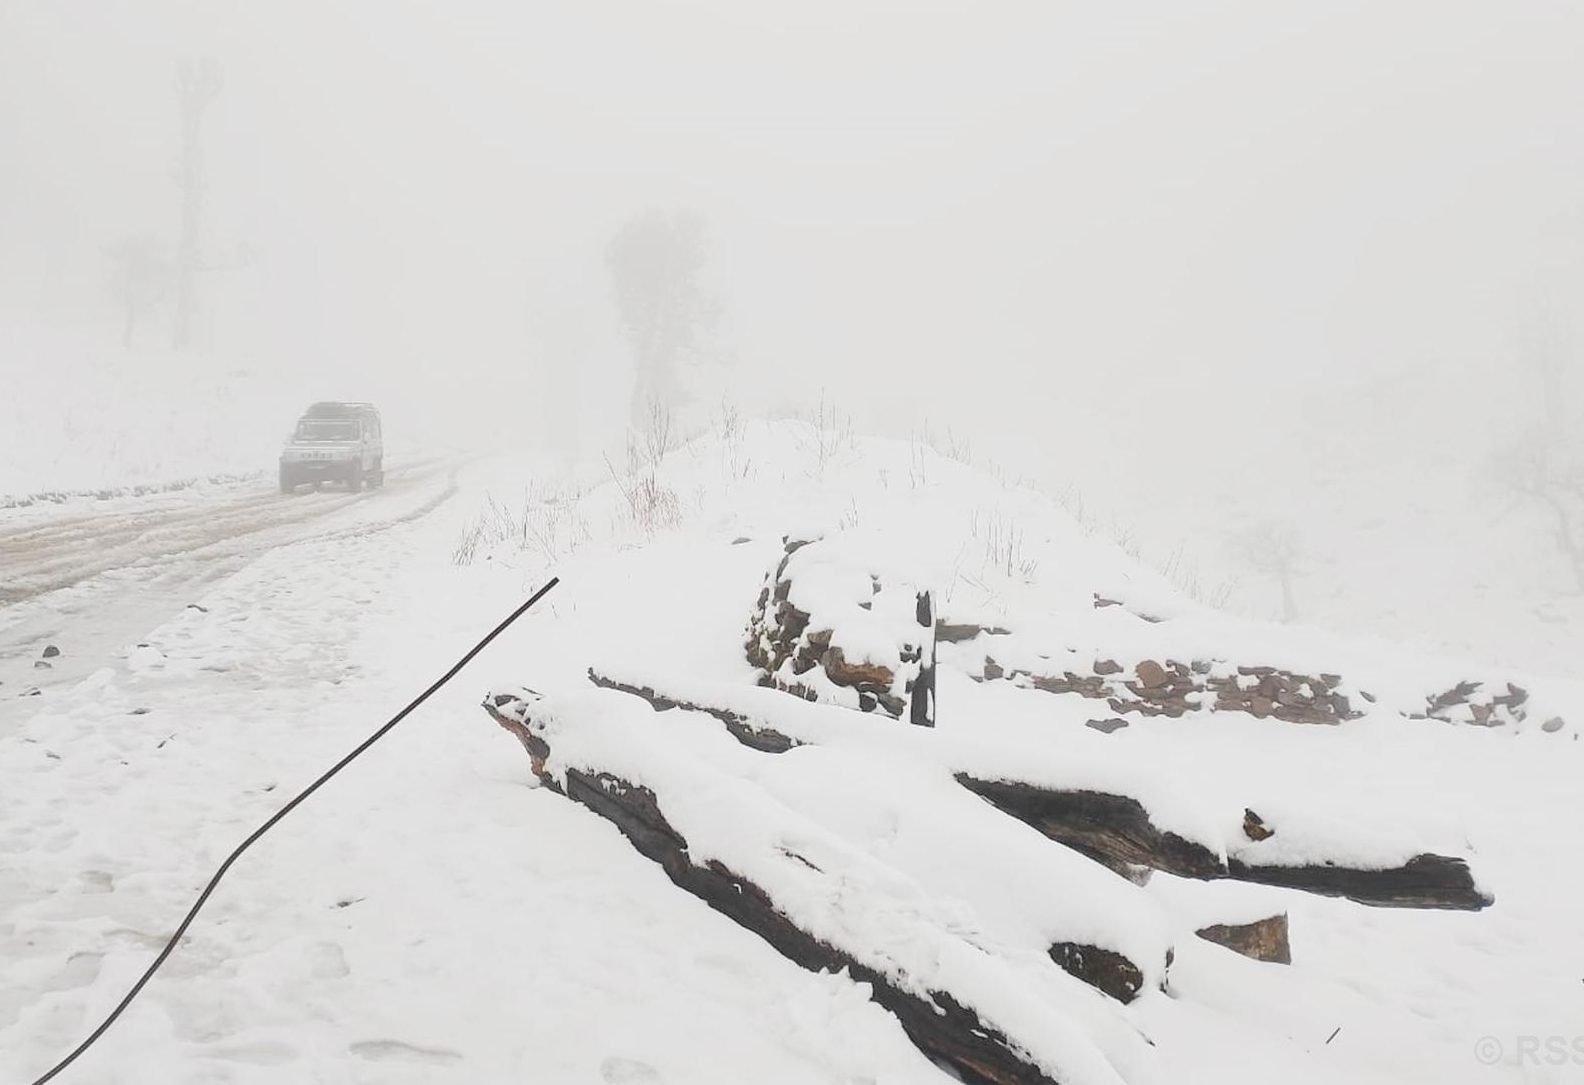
pixel 920 204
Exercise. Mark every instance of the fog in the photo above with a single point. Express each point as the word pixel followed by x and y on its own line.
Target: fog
pixel 1175 257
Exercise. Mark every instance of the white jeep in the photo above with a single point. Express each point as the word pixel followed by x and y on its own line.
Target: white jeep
pixel 335 442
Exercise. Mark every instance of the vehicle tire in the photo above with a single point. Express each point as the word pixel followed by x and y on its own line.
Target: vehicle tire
pixel 379 473
pixel 355 479
pixel 287 484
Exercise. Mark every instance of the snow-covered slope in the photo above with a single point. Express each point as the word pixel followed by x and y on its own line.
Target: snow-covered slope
pixel 1372 790
pixel 436 916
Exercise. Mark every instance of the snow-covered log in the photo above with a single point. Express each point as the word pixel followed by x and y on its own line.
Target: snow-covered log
pixel 1117 830
pixel 1424 881
pixel 1114 830
pixel 950 929
pixel 740 726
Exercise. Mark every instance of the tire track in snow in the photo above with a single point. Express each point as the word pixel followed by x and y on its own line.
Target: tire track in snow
pixel 61 553
pixel 93 584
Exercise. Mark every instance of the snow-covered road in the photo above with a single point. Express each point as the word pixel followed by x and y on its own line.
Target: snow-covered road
pixel 90 577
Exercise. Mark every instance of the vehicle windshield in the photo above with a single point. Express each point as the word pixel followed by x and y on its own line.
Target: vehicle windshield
pixel 333 429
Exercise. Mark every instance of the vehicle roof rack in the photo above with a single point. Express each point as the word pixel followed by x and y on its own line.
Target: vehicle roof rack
pixel 337 409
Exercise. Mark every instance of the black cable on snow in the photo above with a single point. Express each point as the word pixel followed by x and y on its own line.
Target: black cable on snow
pixel 170 946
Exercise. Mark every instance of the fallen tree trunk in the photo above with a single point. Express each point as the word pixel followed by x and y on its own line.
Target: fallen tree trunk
pixel 1114 830
pixel 744 730
pixel 1425 881
pixel 937 1024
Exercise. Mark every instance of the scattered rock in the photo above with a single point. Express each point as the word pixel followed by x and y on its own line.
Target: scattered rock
pixel 1092 686
pixel 1294 698
pixel 1105 727
pixel 1254 826
pixel 866 677
pixel 1262 940
pixel 42 665
pixel 1458 694
pixel 50 651
pixel 1151 675
pixel 1465 703
pixel 1552 725
pixel 1176 688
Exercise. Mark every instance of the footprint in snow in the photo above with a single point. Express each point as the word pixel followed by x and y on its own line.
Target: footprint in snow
pixel 80 970
pixel 329 962
pixel 259 1053
pixel 619 1071
pixel 396 1051
pixel 97 881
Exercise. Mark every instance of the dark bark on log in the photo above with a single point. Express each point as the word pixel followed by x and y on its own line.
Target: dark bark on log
pixel 1116 830
pixel 764 739
pixel 1425 881
pixel 1110 829
pixel 938 1025
pixel 1103 969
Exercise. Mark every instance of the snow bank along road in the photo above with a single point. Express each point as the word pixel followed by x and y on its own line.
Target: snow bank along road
pixel 89 576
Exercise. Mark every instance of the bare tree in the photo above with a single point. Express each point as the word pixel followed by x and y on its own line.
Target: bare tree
pixel 1539 470
pixel 1545 467
pixel 198 84
pixel 140 276
pixel 1275 552
pixel 656 261
pixel 1546 351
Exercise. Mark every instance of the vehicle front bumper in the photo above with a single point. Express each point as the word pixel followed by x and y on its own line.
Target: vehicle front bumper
pixel 310 470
